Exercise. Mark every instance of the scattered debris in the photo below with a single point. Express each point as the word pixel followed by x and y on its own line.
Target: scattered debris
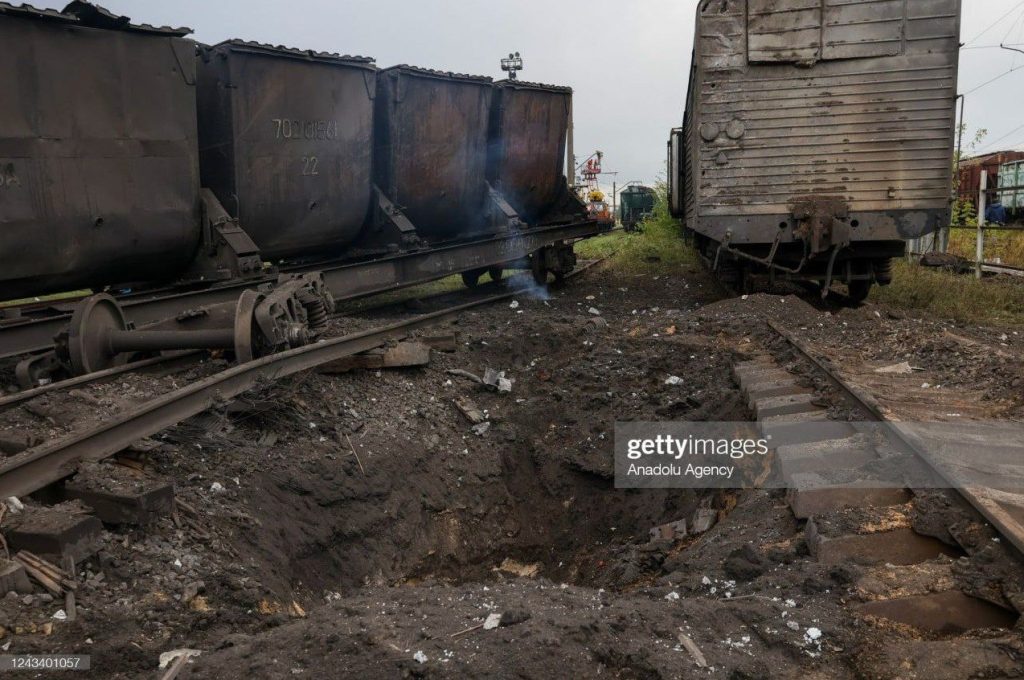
pixel 406 354
pixel 167 658
pixel 674 380
pixel 903 368
pixel 470 410
pixel 691 647
pixel 702 521
pixel 673 531
pixel 480 429
pixel 492 621
pixel 497 380
pixel 510 566
pixel 595 311
pixel 464 374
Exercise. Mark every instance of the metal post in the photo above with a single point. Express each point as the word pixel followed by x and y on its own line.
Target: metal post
pixel 615 212
pixel 570 157
pixel 980 254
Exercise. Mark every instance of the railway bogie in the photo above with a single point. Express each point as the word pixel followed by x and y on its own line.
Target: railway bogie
pixel 814 143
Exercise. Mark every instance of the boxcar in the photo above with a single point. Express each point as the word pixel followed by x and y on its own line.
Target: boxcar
pixel 818 134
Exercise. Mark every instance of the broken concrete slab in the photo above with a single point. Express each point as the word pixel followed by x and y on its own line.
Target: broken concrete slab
pixel 783 406
pixel 672 531
pixel 403 355
pixel 788 433
pixel 771 390
pixel 811 494
pixel 748 378
pixel 823 456
pixel 948 613
pixel 702 521
pixel 902 546
pixel 57 532
pixel 118 495
pixel 470 410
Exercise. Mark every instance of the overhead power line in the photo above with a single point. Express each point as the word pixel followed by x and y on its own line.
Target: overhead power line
pixel 996 22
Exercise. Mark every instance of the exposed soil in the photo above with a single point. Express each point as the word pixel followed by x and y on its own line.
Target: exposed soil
pixel 357 525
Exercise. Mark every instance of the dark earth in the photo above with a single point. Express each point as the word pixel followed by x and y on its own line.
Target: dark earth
pixel 360 525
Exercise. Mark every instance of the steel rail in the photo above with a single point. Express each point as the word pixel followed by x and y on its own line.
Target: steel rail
pixel 979 498
pixel 345 280
pixel 37 467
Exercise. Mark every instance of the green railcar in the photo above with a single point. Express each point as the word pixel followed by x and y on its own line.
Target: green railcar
pixel 636 203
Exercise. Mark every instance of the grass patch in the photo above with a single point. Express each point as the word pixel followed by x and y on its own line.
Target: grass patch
pixel 657 248
pixel 1004 245
pixel 960 298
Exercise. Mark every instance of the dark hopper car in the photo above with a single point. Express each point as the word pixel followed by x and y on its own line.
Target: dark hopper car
pixel 818 136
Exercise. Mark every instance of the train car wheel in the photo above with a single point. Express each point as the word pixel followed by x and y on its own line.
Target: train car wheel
pixel 93 320
pixel 471 278
pixel 496 273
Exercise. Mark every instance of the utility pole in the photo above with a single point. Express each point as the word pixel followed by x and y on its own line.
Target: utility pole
pixel 614 196
pixel 982 198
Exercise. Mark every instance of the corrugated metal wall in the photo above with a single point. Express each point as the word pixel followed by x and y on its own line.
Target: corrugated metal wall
pixel 849 98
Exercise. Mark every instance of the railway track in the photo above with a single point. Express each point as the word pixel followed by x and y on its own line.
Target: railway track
pixel 859 484
pixel 39 466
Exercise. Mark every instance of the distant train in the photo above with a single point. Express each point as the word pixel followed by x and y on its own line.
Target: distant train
pixel 635 203
pixel 818 136
pixel 130 155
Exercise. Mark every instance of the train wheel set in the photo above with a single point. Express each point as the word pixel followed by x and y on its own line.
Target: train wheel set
pixel 222 197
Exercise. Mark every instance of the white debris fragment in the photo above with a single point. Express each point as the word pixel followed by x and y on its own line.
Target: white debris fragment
pixel 672 596
pixel 674 380
pixel 792 625
pixel 706 581
pixel 925 386
pixel 790 603
pixel 419 657
pixel 514 304
pixel 14 505
pixel 167 658
pixel 812 634
pixel 896 369
pixel 595 311
pixel 60 615
pixel 217 487
pixel 492 621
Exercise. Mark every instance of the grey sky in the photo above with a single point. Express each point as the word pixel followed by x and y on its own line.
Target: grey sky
pixel 627 61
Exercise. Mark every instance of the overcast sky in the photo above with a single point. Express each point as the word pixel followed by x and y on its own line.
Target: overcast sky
pixel 627 61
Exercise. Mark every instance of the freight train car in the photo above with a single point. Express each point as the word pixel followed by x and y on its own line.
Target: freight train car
pixel 171 175
pixel 635 203
pixel 818 135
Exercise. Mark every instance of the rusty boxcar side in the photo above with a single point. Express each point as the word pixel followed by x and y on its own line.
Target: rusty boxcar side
pixel 526 156
pixel 431 149
pixel 286 143
pixel 98 146
pixel 792 101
